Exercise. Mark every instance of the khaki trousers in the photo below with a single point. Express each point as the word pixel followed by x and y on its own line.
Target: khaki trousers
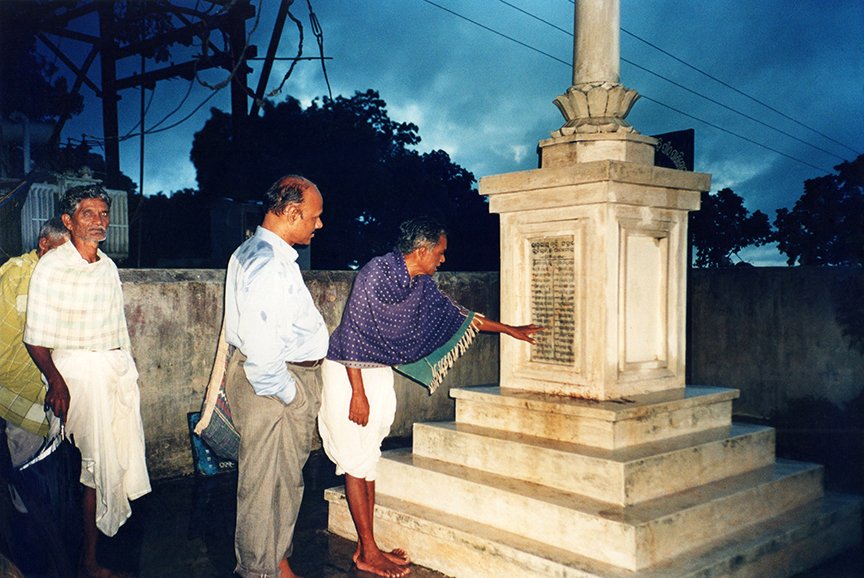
pixel 275 441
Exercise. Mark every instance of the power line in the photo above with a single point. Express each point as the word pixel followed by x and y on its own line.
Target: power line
pixel 154 129
pixel 176 108
pixel 240 61
pixel 296 59
pixel 214 89
pixel 742 93
pixel 570 64
pixel 727 131
pixel 738 112
pixel 697 93
pixel 535 17
pixel 319 38
pixel 501 34
pixel 146 110
pixel 185 118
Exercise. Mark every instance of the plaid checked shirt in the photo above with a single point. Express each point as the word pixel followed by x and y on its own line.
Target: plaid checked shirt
pixel 73 304
pixel 22 393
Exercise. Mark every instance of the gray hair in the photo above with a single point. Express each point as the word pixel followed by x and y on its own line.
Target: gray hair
pixel 73 197
pixel 53 229
pixel 419 232
pixel 288 190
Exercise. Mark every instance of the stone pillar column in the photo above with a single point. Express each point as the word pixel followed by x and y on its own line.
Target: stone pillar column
pixel 596 42
pixel 593 243
pixel 596 104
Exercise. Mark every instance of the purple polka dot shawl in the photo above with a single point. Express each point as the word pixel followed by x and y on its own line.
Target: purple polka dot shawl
pixel 390 320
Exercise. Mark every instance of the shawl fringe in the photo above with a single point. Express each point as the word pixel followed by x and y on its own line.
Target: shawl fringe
pixel 441 367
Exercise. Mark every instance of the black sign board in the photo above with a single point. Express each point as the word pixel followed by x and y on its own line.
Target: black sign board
pixel 674 150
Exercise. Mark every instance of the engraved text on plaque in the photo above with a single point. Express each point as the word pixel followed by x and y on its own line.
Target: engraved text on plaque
pixel 553 298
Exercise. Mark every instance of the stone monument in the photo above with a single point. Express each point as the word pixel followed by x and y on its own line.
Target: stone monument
pixel 594 242
pixel 591 457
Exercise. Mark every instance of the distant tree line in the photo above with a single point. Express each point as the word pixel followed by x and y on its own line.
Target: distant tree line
pixel 825 227
pixel 366 167
pixel 372 179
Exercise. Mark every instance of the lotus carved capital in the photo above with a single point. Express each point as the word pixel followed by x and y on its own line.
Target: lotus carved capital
pixel 596 107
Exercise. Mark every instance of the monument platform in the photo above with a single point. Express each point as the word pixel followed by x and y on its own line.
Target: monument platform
pixel 663 484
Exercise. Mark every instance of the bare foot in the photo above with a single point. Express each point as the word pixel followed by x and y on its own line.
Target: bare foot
pixel 380 564
pixel 397 555
pixel 285 570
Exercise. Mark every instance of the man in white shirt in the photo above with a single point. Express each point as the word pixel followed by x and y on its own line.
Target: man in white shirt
pixel 277 339
pixel 76 334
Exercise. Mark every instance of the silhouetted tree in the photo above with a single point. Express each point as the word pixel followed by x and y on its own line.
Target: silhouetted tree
pixel 169 230
pixel 723 226
pixel 363 163
pixel 29 83
pixel 826 225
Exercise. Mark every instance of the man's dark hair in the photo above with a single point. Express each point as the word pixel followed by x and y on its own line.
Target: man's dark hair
pixel 73 197
pixel 53 229
pixel 288 190
pixel 419 232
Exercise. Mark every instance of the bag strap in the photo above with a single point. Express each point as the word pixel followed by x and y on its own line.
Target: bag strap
pixel 217 376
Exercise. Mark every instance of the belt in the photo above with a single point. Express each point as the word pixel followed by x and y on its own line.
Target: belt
pixel 309 363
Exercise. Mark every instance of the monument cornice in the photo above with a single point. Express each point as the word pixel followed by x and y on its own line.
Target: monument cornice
pixel 595 182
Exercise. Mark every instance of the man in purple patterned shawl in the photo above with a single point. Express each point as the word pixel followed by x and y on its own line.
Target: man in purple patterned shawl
pixel 395 318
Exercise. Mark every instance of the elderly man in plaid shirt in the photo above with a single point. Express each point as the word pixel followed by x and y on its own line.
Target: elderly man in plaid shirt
pixel 22 393
pixel 76 334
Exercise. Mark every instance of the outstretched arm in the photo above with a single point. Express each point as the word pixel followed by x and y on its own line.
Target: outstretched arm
pixel 520 332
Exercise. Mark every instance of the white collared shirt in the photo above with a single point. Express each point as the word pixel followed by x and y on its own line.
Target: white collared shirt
pixel 270 315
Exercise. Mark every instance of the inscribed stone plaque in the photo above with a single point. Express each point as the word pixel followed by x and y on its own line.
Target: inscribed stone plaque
pixel 553 299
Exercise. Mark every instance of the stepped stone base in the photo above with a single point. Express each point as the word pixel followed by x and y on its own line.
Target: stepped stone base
pixel 663 484
pixel 623 477
pixel 782 546
pixel 604 424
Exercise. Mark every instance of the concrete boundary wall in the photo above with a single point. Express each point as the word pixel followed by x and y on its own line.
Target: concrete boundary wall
pixel 174 318
pixel 777 334
pixel 774 333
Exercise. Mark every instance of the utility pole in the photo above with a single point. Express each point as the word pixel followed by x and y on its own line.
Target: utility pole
pixel 110 123
pixel 64 22
pixel 237 39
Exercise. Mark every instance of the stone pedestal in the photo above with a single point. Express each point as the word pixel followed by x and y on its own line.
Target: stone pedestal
pixel 595 253
pixel 591 458
pixel 531 485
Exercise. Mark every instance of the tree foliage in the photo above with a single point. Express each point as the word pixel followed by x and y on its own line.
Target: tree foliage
pixel 723 226
pixel 826 225
pixel 30 82
pixel 155 225
pixel 363 163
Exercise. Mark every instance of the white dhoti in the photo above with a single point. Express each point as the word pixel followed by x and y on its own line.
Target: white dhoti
pixel 105 422
pixel 353 448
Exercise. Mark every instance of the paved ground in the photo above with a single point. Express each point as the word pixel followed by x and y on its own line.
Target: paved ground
pixel 185 529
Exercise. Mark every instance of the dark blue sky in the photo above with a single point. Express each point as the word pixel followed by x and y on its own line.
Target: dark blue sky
pixel 487 99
